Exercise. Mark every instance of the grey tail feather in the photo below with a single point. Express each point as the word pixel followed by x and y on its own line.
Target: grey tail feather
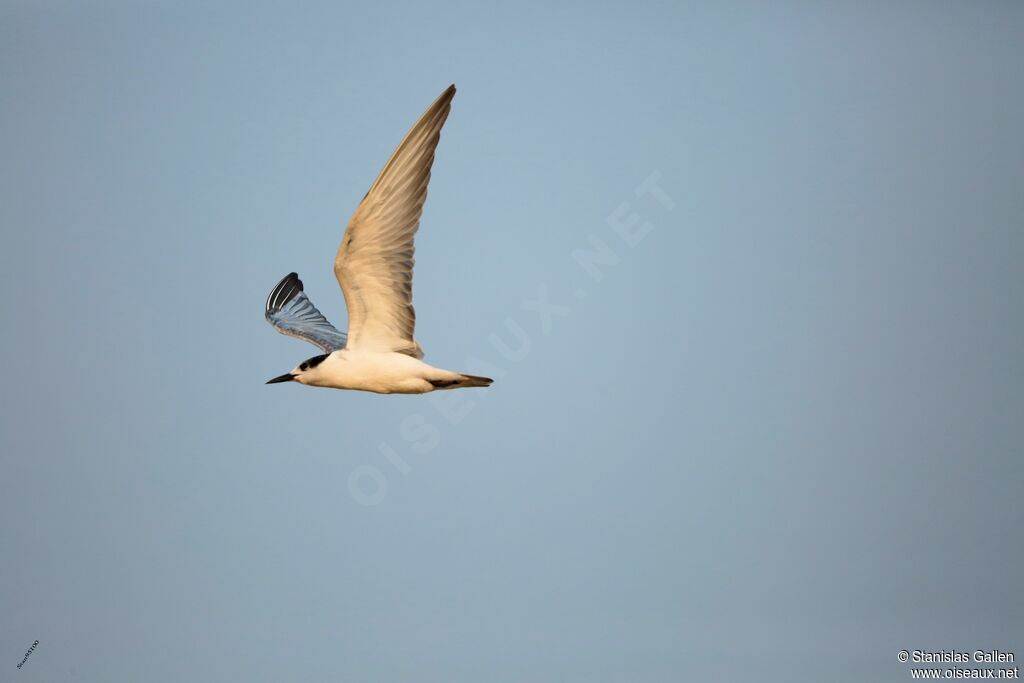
pixel 463 381
pixel 476 381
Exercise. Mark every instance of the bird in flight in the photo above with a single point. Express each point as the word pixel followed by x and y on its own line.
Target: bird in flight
pixel 374 268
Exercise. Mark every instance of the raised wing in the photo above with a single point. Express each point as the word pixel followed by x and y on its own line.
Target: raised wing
pixel 375 261
pixel 291 312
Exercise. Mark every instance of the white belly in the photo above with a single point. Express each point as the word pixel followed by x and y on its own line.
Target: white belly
pixel 383 373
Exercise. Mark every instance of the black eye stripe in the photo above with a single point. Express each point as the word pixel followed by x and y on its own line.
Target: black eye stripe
pixel 313 362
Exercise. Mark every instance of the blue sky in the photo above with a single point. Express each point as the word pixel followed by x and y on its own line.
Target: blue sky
pixel 778 437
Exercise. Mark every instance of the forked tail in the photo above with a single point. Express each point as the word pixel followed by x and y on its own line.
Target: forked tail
pixel 461 381
pixel 475 381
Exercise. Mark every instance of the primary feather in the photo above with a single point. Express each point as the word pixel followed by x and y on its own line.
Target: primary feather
pixel 375 260
pixel 291 312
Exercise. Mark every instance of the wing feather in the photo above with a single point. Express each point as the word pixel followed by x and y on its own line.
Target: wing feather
pixel 375 261
pixel 291 312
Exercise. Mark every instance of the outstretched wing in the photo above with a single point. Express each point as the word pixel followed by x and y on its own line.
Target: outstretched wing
pixel 291 312
pixel 375 261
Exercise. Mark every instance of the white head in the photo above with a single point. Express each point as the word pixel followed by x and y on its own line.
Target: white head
pixel 305 373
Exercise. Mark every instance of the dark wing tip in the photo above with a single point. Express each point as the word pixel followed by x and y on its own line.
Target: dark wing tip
pixel 445 97
pixel 287 289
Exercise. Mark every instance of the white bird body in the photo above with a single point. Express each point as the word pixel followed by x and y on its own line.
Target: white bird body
pixel 374 269
pixel 382 373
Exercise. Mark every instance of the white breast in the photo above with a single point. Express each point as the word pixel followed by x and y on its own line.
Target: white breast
pixel 383 373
